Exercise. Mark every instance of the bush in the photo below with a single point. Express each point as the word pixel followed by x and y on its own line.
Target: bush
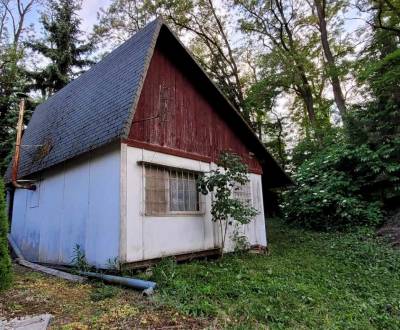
pixel 5 261
pixel 336 189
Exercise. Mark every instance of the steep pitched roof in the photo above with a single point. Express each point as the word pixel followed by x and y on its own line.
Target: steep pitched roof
pixel 97 107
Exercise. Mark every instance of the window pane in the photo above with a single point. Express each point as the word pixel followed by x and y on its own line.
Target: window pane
pixel 168 190
pixel 183 192
pixel 155 190
pixel 173 191
pixel 243 193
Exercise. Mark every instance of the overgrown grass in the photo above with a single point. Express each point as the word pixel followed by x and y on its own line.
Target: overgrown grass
pixel 91 305
pixel 310 280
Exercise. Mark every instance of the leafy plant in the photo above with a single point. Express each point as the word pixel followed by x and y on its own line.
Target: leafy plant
pixel 341 187
pixel 164 271
pixel 5 260
pixel 229 176
pixel 79 259
pixel 113 264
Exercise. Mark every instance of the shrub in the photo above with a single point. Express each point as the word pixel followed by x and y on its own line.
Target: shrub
pixel 5 260
pixel 336 189
pixel 221 182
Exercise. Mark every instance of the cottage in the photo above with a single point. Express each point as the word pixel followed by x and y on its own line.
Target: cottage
pixel 115 154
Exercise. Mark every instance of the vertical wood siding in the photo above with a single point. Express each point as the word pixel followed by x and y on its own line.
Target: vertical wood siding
pixel 175 113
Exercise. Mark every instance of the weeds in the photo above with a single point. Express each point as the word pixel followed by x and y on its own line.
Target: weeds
pixel 310 281
pixel 79 261
pixel 102 292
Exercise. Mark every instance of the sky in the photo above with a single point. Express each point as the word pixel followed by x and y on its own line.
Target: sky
pixel 88 14
pixel 89 11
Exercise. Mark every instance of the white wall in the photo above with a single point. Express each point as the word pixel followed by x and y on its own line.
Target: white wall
pixel 75 203
pixel 97 201
pixel 151 236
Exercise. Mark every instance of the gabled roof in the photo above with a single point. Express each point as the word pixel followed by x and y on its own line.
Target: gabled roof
pixel 97 108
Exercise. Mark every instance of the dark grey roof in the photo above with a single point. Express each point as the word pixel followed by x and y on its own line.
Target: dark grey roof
pixel 93 109
pixel 97 108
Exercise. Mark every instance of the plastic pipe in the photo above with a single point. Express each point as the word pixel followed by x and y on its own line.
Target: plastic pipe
pixel 146 286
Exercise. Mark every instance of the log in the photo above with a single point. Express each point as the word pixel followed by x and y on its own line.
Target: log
pixel 50 271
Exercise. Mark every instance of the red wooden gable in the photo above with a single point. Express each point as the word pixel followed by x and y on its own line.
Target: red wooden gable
pixel 176 116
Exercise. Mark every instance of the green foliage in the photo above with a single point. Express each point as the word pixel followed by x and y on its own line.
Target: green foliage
pixel 333 189
pixel 79 261
pixel 267 122
pixel 309 146
pixel 164 271
pixel 240 241
pixel 5 260
pixel 113 263
pixel 62 46
pixel 101 292
pixel 230 174
pixel 12 82
pixel 309 281
pixel 351 176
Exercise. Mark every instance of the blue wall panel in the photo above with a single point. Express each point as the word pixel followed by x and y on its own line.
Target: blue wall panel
pixel 76 203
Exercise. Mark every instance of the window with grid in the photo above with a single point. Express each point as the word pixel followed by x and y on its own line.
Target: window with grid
pixel 243 193
pixel 170 191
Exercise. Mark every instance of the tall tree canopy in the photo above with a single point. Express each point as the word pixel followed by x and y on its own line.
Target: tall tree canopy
pixel 62 46
pixel 289 48
pixel 13 33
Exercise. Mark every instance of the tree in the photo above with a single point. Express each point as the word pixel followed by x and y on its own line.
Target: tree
pixel 5 261
pixel 230 175
pixel 62 46
pixel 354 178
pixel 13 17
pixel 17 18
pixel 121 20
pixel 278 24
pixel 323 14
pixel 269 124
pixel 384 14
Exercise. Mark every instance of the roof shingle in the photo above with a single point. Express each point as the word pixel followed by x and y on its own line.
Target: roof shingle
pixel 93 109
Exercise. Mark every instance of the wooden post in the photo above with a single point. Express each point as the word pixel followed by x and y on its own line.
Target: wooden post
pixel 14 174
pixel 18 140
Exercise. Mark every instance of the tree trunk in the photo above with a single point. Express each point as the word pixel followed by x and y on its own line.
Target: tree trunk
pixel 306 95
pixel 332 69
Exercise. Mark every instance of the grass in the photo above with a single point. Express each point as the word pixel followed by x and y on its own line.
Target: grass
pixel 91 305
pixel 310 280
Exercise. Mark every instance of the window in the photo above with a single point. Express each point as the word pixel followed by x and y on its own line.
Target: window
pixel 170 191
pixel 243 193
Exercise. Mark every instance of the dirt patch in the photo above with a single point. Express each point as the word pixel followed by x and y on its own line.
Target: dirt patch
pixel 73 308
pixel 391 230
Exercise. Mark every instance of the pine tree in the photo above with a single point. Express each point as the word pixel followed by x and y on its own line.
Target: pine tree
pixel 5 261
pixel 62 46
